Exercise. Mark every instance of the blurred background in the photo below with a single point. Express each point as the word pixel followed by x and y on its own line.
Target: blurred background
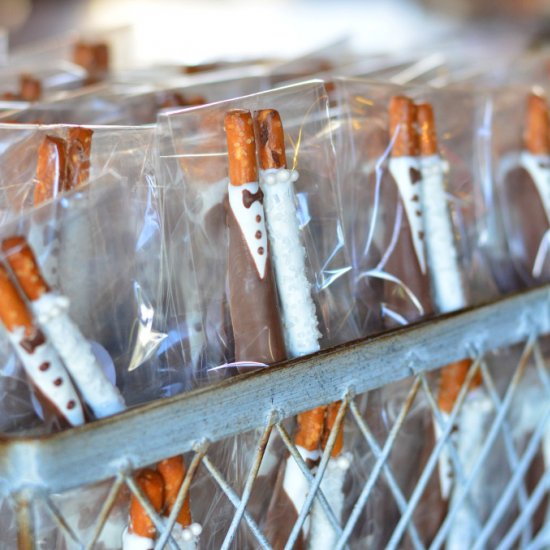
pixel 196 31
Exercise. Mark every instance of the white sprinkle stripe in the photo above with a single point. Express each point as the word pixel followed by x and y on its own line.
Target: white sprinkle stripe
pixel 447 283
pixel 289 258
pixel 251 221
pixel 101 395
pixel 322 536
pixel 47 373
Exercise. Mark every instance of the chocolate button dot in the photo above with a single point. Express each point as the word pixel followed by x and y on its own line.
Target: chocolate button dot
pixel 258 234
pixel 261 250
pixel 258 218
pixel 58 382
pixel 44 366
pixel 71 404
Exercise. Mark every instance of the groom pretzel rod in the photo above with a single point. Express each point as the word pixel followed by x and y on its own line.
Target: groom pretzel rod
pixel 53 386
pixel 252 292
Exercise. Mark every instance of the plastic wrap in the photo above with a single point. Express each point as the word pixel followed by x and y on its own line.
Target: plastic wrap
pixel 194 168
pixel 518 153
pixel 413 189
pixel 100 246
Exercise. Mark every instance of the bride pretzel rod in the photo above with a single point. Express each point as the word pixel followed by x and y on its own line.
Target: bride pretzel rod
pixel 40 361
pixel 442 254
pixel 300 325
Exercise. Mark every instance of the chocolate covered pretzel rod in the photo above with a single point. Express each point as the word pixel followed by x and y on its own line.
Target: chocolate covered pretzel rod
pixel 526 189
pixel 252 293
pixel 185 532
pixel 141 532
pixel 51 310
pixel 526 193
pixel 406 291
pixel 300 322
pixel 403 265
pixel 40 361
pixel 449 294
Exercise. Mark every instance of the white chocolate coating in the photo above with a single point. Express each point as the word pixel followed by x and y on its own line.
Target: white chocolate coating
pixel 473 422
pixel 447 283
pixel 400 168
pixel 295 483
pixel 131 541
pixel 444 464
pixel 300 322
pixel 47 373
pixel 247 218
pixel 322 535
pixel 187 538
pixel 101 395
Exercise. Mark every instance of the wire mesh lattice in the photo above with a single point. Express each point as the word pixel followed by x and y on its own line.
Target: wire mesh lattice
pixel 495 441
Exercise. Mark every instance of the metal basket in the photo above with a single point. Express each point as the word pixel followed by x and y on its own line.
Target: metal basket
pixel 35 469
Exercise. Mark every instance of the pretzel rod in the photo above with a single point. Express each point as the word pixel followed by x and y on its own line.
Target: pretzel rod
pixel 527 189
pixel 141 531
pixel 51 169
pixel 299 317
pixel 79 141
pixel 252 292
pixel 51 310
pixel 94 57
pixel 405 169
pixel 185 532
pixel 449 294
pixel 30 88
pixel 536 137
pixel 39 359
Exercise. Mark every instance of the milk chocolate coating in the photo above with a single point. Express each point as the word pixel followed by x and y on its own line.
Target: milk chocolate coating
pixel 525 223
pixel 537 126
pixel 402 113
pixel 403 262
pixel 253 303
pixel 281 516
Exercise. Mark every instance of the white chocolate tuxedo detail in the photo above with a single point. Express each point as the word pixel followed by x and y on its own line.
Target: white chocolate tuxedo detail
pixel 246 203
pixel 406 173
